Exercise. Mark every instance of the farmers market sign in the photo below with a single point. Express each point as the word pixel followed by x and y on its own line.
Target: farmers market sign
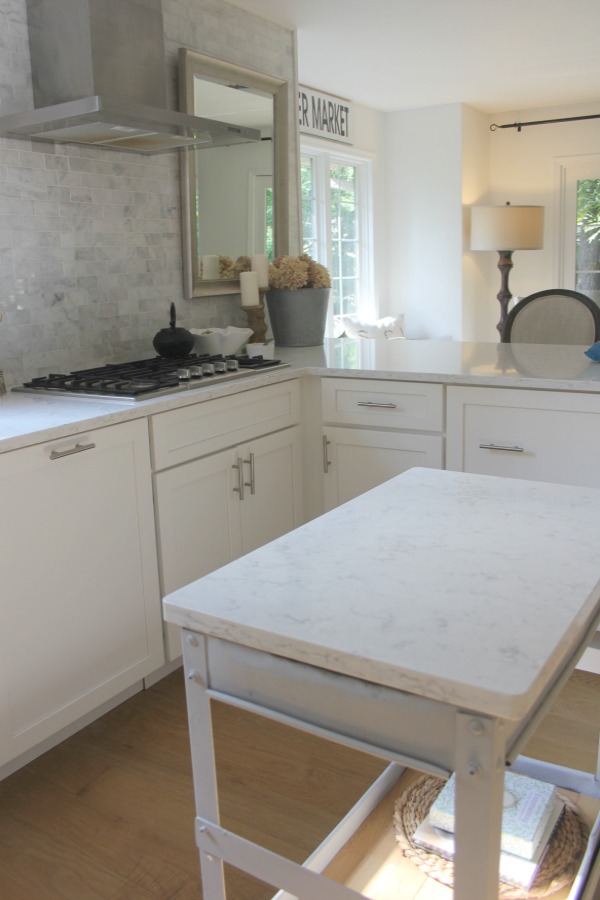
pixel 323 115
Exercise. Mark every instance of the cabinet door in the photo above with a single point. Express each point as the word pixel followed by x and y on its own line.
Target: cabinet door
pixel 198 524
pixel 357 460
pixel 537 435
pixel 80 618
pixel 214 509
pixel 272 503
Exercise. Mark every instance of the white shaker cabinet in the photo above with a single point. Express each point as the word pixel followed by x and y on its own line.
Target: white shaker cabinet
pixel 374 430
pixel 537 435
pixel 80 614
pixel 221 505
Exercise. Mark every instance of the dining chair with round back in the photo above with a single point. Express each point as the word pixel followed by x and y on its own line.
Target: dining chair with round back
pixel 554 316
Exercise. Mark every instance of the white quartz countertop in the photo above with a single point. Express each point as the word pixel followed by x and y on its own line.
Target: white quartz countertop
pixel 29 419
pixel 542 366
pixel 468 589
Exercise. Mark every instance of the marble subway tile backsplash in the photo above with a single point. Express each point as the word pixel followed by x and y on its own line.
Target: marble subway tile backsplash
pixel 90 239
pixel 90 255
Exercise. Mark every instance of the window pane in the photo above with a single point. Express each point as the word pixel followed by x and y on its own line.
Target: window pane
pixel 349 261
pixel 307 193
pixel 351 296
pixel 344 228
pixel 589 283
pixel 587 255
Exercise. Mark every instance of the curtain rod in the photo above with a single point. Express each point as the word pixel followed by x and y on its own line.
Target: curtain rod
pixel 519 125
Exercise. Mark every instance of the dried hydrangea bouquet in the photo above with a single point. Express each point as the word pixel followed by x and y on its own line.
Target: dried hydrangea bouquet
pixel 297 300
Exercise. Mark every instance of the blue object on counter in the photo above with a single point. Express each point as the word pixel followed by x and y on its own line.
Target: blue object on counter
pixel 594 352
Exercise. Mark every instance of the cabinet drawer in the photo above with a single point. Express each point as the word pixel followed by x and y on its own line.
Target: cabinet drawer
pixel 180 435
pixel 389 404
pixel 537 435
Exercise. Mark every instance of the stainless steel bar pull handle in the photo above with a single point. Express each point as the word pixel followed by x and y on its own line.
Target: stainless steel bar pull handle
pixel 377 405
pixel 240 469
pixel 251 484
pixel 78 448
pixel 508 449
pixel 326 462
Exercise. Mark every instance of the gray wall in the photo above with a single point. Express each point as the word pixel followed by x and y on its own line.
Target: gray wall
pixel 90 240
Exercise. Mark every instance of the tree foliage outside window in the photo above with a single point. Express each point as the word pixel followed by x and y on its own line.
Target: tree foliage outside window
pixel 309 208
pixel 344 239
pixel 269 242
pixel 587 266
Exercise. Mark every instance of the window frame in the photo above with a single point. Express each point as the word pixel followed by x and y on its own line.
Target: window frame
pixel 326 154
pixel 571 169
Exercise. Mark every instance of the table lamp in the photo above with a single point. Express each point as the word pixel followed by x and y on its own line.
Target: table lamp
pixel 511 228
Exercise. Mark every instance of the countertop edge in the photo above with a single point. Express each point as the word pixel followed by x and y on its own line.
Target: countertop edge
pixel 533 367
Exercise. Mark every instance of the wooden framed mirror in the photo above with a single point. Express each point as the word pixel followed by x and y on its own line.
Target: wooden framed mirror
pixel 235 199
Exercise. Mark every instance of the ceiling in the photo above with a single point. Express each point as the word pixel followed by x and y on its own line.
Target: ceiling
pixel 404 54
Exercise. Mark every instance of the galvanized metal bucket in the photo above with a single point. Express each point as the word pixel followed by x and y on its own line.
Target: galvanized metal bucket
pixel 298 318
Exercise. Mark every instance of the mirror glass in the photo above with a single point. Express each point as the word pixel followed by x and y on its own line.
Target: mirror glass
pixel 231 207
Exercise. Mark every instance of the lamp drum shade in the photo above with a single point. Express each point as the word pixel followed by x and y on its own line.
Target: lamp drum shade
pixel 507 227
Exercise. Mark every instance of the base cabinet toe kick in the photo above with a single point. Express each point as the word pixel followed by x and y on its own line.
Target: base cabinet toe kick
pixel 435 704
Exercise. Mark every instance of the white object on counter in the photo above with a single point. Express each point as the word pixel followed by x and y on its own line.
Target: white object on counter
pixel 249 289
pixel 260 265
pixel 220 340
pixel 267 351
pixel 210 268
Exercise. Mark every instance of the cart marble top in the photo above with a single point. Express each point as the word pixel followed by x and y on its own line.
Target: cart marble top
pixel 468 589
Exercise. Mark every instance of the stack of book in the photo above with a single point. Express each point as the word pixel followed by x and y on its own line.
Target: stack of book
pixel 531 812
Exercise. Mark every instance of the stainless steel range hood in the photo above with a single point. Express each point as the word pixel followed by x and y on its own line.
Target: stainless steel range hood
pixel 98 70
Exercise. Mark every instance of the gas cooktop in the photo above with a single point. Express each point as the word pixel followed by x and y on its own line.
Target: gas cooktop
pixel 146 378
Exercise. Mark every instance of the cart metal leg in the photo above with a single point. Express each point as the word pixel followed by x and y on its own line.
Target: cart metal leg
pixel 480 755
pixel 215 843
pixel 203 758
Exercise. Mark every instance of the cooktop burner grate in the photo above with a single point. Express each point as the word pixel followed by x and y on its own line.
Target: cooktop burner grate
pixel 146 378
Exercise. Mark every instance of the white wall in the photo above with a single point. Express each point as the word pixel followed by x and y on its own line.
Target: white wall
pixel 424 220
pixel 440 159
pixel 524 168
pixel 480 312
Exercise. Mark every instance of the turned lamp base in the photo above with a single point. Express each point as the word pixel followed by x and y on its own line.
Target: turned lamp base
pixel 504 296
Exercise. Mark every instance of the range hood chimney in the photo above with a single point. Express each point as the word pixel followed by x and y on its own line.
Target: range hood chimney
pixel 99 77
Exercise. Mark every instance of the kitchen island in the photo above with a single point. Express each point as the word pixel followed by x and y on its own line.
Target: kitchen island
pixel 430 621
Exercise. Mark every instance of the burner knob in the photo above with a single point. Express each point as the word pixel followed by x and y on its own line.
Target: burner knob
pixel 221 366
pixel 208 369
pixel 184 374
pixel 232 365
pixel 196 371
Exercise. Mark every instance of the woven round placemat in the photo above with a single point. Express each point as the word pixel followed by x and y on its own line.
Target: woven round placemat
pixel 558 867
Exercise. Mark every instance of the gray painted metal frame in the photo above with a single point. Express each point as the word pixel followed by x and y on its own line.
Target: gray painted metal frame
pixel 442 739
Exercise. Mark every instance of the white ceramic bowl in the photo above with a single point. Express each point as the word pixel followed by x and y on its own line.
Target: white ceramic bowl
pixel 227 341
